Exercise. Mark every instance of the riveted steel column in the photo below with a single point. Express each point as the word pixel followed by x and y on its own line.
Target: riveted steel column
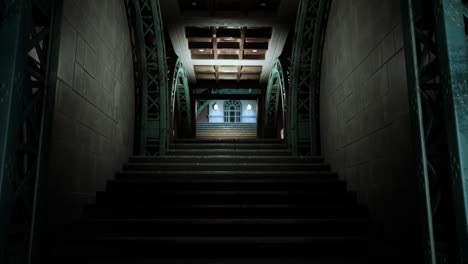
pixel 153 75
pixel 451 18
pixel 436 57
pixel 275 94
pixel 306 66
pixel 180 101
pixel 28 60
pixel 416 105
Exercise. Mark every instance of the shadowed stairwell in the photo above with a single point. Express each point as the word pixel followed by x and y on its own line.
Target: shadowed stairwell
pixel 222 201
pixel 233 131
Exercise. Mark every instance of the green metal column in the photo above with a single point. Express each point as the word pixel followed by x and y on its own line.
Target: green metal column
pixel 275 94
pixel 180 101
pixel 437 68
pixel 451 20
pixel 153 75
pixel 306 66
pixel 29 33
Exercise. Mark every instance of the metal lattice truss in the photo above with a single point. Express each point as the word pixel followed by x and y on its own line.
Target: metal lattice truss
pixel 437 67
pixel 152 61
pixel 306 66
pixel 25 107
pixel 201 105
pixel 275 92
pixel 180 99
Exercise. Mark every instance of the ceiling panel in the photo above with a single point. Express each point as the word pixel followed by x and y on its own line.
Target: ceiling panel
pixel 228 68
pixel 252 69
pixel 206 76
pixel 250 76
pixel 226 72
pixel 204 69
pixel 223 8
pixel 227 43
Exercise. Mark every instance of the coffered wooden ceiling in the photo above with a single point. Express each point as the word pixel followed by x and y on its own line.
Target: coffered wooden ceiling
pixel 237 8
pixel 228 40
pixel 224 72
pixel 222 43
pixel 213 43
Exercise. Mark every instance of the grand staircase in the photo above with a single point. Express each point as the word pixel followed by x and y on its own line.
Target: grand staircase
pixel 226 130
pixel 222 201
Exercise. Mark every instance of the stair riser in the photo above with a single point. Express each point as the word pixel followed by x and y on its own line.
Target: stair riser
pixel 145 248
pixel 225 167
pixel 148 229
pixel 220 200
pixel 221 141
pixel 230 146
pixel 182 176
pixel 156 186
pixel 222 213
pixel 205 159
pixel 223 199
pixel 205 152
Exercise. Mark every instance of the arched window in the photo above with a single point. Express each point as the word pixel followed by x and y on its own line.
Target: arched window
pixel 232 111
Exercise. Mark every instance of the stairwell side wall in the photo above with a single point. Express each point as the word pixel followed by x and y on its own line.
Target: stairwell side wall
pixel 365 123
pixel 94 108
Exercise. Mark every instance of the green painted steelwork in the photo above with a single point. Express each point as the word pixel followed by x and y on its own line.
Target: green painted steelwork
pixel 180 101
pixel 305 77
pixel 28 61
pixel 275 95
pixel 202 104
pixel 151 77
pixel 452 41
pixel 437 68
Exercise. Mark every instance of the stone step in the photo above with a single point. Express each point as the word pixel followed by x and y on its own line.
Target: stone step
pixel 233 140
pixel 144 197
pixel 310 185
pixel 224 159
pixel 215 246
pixel 227 260
pixel 221 227
pixel 220 211
pixel 232 176
pixel 228 151
pixel 231 166
pixel 233 146
pixel 227 199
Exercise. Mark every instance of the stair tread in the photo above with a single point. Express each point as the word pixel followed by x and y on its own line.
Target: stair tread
pixel 254 206
pixel 245 193
pixel 229 163
pixel 269 172
pixel 247 197
pixel 233 157
pixel 228 239
pixel 195 221
pixel 214 181
pixel 224 148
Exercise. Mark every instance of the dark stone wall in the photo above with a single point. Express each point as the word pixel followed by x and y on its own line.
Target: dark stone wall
pixel 365 123
pixel 94 107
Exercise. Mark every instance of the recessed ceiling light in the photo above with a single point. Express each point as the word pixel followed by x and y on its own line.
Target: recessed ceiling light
pixel 263 4
pixel 194 3
pixel 201 50
pixel 229 38
pixel 254 51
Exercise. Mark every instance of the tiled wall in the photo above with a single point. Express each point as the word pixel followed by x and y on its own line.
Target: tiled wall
pixel 94 107
pixel 365 124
